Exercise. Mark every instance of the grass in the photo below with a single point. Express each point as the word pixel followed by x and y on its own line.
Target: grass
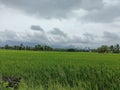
pixel 62 70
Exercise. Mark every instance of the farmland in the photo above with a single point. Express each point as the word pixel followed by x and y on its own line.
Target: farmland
pixel 61 70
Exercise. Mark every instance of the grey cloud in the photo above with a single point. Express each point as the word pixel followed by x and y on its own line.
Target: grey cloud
pixel 37 28
pixel 92 4
pixel 86 40
pixel 53 39
pixel 36 37
pixel 57 31
pixel 77 41
pixel 8 35
pixel 89 36
pixel 104 15
pixel 40 38
pixel 52 8
pixel 111 37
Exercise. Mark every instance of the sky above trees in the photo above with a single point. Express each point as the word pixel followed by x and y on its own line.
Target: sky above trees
pixel 60 23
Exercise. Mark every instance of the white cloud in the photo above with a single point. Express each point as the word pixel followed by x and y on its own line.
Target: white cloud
pixel 79 23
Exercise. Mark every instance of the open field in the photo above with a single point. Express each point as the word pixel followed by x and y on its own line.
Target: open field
pixel 61 70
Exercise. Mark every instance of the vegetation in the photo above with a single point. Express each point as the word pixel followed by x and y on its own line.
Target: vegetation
pixel 22 47
pixel 60 70
pixel 102 49
pixel 111 49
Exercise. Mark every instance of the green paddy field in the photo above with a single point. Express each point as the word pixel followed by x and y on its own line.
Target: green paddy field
pixel 60 70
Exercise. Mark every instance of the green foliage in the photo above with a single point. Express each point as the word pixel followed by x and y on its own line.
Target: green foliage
pixel 103 49
pixel 3 86
pixel 22 47
pixel 116 48
pixel 106 49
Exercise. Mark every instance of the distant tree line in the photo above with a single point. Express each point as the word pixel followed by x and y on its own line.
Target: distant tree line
pixel 109 49
pixel 23 47
pixel 102 49
pixel 42 48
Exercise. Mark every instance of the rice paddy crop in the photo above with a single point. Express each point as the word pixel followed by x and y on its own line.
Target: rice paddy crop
pixel 60 70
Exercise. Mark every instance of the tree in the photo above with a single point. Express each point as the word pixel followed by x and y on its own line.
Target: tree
pixel 71 50
pixel 103 49
pixel 116 48
pixel 38 47
pixel 27 48
pixel 111 48
pixel 47 48
pixel 6 46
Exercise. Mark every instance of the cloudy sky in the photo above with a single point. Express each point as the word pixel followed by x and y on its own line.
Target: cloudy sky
pixel 60 23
